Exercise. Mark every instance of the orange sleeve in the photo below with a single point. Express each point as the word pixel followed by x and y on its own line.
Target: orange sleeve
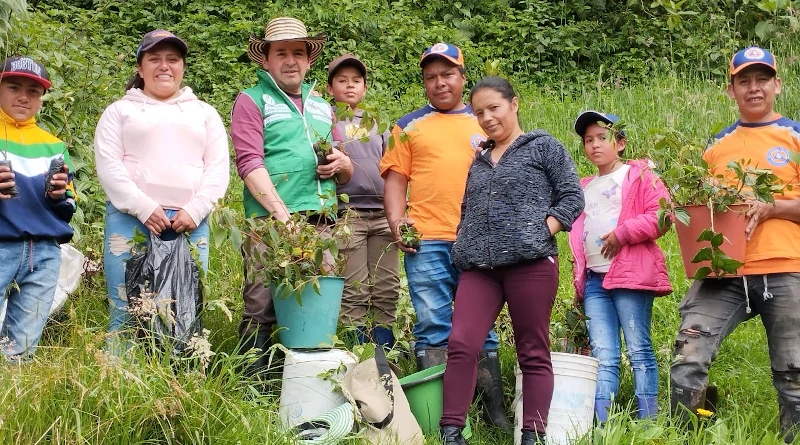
pixel 397 157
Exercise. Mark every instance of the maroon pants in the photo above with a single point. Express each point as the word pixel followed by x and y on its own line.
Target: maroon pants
pixel 529 289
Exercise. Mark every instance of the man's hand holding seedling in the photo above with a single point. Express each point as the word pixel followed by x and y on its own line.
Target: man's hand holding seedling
pixel 58 184
pixel 6 181
pixel 338 164
pixel 405 235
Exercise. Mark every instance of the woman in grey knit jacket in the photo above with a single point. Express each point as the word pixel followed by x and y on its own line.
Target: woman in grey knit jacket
pixel 522 189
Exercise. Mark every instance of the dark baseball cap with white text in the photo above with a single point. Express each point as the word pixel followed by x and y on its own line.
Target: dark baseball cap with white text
pixel 23 66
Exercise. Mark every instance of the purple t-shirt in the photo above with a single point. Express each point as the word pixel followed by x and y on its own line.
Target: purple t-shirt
pixel 247 132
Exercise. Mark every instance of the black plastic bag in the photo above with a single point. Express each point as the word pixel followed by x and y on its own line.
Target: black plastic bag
pixel 164 292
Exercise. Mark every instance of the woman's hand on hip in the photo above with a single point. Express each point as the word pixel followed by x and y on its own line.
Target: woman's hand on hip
pixel 554 225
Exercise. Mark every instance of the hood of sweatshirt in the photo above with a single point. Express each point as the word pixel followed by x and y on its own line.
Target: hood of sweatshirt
pixel 136 95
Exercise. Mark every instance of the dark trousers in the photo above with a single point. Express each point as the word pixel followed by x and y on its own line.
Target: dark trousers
pixel 713 308
pixel 529 289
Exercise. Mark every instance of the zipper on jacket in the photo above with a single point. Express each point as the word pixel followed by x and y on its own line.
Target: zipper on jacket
pixel 308 135
pixel 489 213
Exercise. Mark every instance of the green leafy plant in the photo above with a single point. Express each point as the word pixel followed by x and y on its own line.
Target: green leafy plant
pixel 410 236
pixel 322 148
pixel 295 253
pixel 690 183
pixel 568 330
pixel 362 133
pixel 615 130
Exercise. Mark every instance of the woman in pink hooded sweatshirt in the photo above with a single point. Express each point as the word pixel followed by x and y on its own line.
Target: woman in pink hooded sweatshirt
pixel 162 160
pixel 619 268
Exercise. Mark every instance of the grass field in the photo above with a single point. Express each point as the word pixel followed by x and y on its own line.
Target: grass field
pixel 75 394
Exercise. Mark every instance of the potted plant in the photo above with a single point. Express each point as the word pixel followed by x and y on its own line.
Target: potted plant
pixel 568 331
pixel 710 209
pixel 302 266
pixel 322 148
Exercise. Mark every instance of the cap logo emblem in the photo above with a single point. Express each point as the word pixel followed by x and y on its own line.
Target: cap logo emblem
pixel 754 54
pixel 439 48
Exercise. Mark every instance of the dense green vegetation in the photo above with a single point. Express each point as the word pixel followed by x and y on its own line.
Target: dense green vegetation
pixel 660 64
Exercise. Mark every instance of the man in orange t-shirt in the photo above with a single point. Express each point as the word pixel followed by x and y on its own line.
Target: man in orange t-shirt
pixel 426 173
pixel 770 282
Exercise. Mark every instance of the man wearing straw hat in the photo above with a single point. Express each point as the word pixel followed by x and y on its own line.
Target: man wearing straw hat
pixel 274 125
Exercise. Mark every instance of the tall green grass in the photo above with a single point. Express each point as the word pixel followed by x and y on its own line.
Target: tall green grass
pixel 75 394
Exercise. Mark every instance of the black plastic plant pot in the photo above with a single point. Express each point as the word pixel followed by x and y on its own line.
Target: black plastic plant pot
pixel 13 190
pixel 56 166
pixel 322 159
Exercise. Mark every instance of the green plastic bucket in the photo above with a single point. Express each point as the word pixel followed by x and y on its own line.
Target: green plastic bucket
pixel 313 323
pixel 424 393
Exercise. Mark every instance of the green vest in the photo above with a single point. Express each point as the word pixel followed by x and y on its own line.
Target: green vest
pixel 289 156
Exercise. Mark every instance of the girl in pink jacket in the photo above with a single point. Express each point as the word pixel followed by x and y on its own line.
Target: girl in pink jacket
pixel 162 160
pixel 619 269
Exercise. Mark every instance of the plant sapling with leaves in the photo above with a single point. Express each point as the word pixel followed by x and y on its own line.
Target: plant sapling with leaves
pixel 409 236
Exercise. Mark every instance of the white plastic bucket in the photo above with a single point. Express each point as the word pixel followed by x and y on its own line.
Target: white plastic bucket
pixel 304 393
pixel 572 406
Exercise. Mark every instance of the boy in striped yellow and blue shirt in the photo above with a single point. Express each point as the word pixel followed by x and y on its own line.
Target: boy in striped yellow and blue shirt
pixel 34 217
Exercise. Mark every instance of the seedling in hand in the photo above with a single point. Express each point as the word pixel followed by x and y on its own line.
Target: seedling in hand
pixel 56 166
pixel 409 236
pixel 322 149
pixel 13 190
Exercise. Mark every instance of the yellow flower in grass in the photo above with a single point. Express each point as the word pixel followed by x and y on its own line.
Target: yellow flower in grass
pixel 704 413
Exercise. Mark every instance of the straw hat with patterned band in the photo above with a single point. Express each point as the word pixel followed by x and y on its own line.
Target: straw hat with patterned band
pixel 285 29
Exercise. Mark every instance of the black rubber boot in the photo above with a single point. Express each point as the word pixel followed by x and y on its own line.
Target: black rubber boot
pixel 451 435
pixel 684 403
pixel 361 335
pixel 712 397
pixel 383 336
pixel 533 438
pixel 489 388
pixel 260 367
pixel 789 413
pixel 430 357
